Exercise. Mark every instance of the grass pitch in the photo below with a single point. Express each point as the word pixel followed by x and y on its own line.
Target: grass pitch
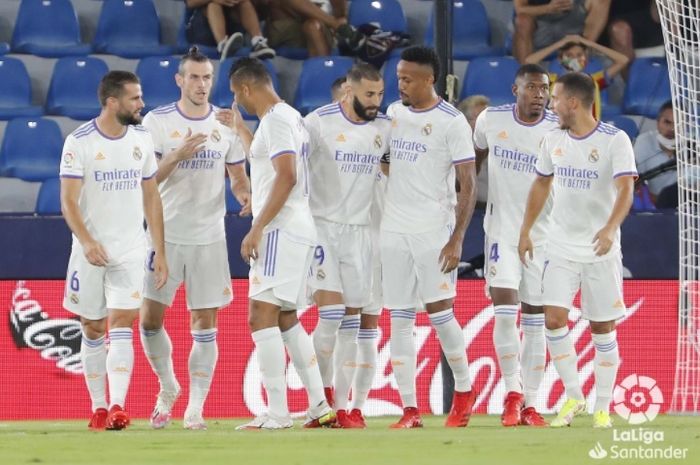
pixel 484 441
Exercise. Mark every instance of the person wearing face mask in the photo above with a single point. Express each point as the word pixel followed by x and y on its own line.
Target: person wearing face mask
pixel 653 149
pixel 573 54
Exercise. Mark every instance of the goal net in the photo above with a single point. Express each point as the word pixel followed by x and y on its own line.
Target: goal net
pixel 680 20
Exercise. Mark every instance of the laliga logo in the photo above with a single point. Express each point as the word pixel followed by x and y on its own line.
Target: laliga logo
pixel 637 399
pixel 598 452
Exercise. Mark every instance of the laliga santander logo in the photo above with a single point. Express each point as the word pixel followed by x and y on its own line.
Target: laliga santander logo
pixel 637 399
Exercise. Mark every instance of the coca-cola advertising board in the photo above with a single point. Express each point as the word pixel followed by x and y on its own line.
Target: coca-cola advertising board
pixel 42 376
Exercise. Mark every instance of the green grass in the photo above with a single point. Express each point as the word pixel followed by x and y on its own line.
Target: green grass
pixel 484 441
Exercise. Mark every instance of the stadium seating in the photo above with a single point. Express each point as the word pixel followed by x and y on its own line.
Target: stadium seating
pixel 4 48
pixel 391 82
pixel 221 93
pixel 73 88
pixel 48 29
pixel 48 201
pixel 387 14
pixel 625 123
pixel 15 90
pixel 648 87
pixel 183 45
pixel 493 77
pixel 31 149
pixel 130 29
pixel 317 75
pixel 157 76
pixel 471 32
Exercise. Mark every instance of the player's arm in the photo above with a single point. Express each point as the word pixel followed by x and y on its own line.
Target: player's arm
pixel 192 144
pixel 384 164
pixel 284 181
pixel 232 118
pixel 481 143
pixel 240 186
pixel 539 192
pixel 481 155
pixel 466 200
pixel 153 211
pixel 70 193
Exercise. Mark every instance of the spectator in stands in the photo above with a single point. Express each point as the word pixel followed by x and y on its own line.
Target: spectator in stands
pixel 539 23
pixel 338 89
pixel 471 107
pixel 309 24
pixel 573 55
pixel 655 153
pixel 214 22
pixel 634 24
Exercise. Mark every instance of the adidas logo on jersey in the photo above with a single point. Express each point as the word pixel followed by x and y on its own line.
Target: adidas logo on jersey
pixel 255 280
pixel 340 138
pixel 227 291
pixel 136 295
pixel 445 287
pixel 503 135
pixel 619 304
pixel 175 134
pixel 558 152
pixel 100 156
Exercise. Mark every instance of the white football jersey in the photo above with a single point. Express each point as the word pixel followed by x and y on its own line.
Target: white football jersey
pixel 424 147
pixel 584 171
pixel 111 199
pixel 513 148
pixel 281 131
pixel 194 194
pixel 344 159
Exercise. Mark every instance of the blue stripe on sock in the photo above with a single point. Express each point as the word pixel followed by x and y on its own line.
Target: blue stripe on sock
pixel 93 342
pixel 442 319
pixel 368 334
pixel 556 338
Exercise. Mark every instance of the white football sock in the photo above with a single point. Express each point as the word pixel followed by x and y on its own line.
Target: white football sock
pixel 366 366
pixel 301 352
pixel 534 355
pixel 202 364
pixel 506 341
pixel 329 319
pixel 607 361
pixel 273 363
pixel 159 351
pixel 454 347
pixel 94 359
pixel 345 359
pixel 563 354
pixel 120 364
pixel 403 354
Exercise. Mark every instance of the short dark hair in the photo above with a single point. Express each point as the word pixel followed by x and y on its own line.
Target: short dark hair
pixel 424 56
pixel 338 83
pixel 112 84
pixel 362 71
pixel 530 68
pixel 249 69
pixel 569 45
pixel 193 54
pixel 580 85
pixel 668 105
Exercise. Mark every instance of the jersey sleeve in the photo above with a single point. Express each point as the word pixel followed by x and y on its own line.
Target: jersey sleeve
pixel 150 165
pixel 544 166
pixel 459 140
pixel 235 153
pixel 279 136
pixel 72 159
pixel 480 140
pixel 151 123
pixel 622 153
pixel 312 124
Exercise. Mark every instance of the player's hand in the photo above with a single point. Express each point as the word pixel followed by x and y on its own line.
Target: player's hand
pixel 243 199
pixel 560 6
pixel 192 144
pixel 250 243
pixel 160 270
pixel 603 240
pixel 450 255
pixel 525 249
pixel 95 253
pixel 230 117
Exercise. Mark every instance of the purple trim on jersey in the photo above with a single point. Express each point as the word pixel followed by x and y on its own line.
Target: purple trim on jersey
pixel 328 109
pixel 625 173
pixel 164 109
pixel 236 162
pixel 542 174
pixel 414 110
pixel 211 108
pixel 94 123
pixel 84 130
pixel 463 160
pixel 586 136
pixel 523 123
pixel 146 178
pixel 71 176
pixel 444 106
pixel 342 112
pixel 283 152
pixel 445 110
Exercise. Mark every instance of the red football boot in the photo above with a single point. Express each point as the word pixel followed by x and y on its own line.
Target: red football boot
pixel 344 420
pixel 462 404
pixel 511 409
pixel 357 417
pixel 117 419
pixel 98 421
pixel 530 417
pixel 410 419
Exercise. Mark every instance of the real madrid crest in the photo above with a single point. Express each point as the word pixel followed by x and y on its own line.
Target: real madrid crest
pixel 215 135
pixel 492 271
pixel 137 153
pixel 378 141
pixel 427 129
pixel 593 156
pixel 320 275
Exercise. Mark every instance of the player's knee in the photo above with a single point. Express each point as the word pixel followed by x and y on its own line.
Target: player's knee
pixel 602 327
pixel 287 320
pixel 555 320
pixel 94 329
pixel 440 305
pixel 203 319
pixel 369 321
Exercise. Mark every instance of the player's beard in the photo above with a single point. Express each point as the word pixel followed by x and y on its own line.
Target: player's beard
pixel 128 119
pixel 362 111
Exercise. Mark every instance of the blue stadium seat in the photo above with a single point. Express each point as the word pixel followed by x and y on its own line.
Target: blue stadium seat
pixel 221 93
pixel 15 90
pixel 73 88
pixel 31 149
pixel 387 14
pixel 232 205
pixel 48 28
pixel 129 29
pixel 317 76
pixel 157 76
pixel 391 82
pixel 625 123
pixel 648 87
pixel 491 76
pixel 4 48
pixel 471 32
pixel 48 202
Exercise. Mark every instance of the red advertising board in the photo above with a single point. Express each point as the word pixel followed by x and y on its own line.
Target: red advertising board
pixel 41 372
